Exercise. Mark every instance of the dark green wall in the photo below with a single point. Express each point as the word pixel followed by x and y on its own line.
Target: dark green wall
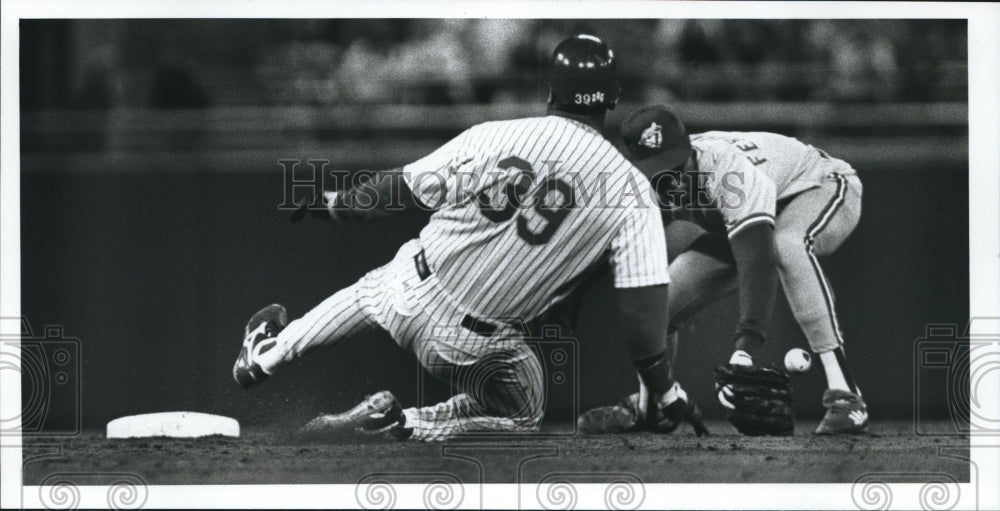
pixel 156 274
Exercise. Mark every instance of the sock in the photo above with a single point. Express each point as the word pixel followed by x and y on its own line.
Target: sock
pixel 741 358
pixel 268 355
pixel 835 378
pixel 643 393
pixel 675 393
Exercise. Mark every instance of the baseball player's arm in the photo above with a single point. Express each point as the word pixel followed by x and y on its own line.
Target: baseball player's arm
pixel 422 184
pixel 757 275
pixel 746 198
pixel 565 314
pixel 373 196
pixel 639 265
pixel 642 317
pixel 433 179
pixel 377 195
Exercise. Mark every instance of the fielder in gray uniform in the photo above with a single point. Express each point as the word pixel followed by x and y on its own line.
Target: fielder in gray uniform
pixel 782 204
pixel 768 207
pixel 514 227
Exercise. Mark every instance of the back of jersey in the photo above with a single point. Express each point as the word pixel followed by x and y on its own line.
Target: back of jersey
pixel 792 165
pixel 523 208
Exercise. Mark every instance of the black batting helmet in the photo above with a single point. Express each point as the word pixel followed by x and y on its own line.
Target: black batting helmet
pixel 582 75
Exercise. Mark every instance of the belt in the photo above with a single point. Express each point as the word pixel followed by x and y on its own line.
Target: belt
pixel 469 322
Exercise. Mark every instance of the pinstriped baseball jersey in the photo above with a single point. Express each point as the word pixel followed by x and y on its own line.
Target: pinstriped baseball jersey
pixel 746 173
pixel 524 207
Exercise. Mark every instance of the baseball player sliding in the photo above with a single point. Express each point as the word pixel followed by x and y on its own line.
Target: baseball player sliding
pixel 769 206
pixel 509 238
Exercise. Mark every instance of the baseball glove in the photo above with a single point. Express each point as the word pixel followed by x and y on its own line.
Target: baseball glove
pixel 759 399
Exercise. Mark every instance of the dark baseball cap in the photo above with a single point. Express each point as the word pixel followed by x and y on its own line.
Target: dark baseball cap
pixel 655 139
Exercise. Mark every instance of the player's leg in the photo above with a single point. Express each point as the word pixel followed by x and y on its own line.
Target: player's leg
pixel 497 376
pixel 269 343
pixel 814 224
pixel 375 300
pixel 502 391
pixel 699 276
pixel 680 235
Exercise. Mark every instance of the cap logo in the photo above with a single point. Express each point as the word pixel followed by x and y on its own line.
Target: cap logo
pixel 652 137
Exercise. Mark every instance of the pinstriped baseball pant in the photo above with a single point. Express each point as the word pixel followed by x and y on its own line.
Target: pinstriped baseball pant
pixel 815 223
pixel 498 378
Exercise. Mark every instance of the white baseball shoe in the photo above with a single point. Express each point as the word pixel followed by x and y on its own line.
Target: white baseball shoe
pixel 258 338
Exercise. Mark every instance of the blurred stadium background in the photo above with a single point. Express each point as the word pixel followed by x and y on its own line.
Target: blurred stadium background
pixel 150 184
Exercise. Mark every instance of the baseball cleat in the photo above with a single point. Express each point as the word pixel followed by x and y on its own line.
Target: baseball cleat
pixel 258 338
pixel 377 413
pixel 684 409
pixel 846 414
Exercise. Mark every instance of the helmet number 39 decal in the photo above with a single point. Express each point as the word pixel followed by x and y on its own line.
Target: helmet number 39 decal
pixel 586 99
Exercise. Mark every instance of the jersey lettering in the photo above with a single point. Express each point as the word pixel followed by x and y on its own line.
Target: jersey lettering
pixel 527 206
pixel 554 214
pixel 515 190
pixel 552 211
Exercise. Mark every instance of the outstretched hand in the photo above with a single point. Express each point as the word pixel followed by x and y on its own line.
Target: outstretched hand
pixel 317 206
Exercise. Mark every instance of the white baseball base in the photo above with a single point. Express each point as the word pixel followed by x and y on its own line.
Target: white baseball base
pixel 173 424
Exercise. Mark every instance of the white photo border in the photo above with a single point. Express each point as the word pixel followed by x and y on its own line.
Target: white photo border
pixel 984 235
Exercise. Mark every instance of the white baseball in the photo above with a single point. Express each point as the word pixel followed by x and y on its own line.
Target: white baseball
pixel 798 360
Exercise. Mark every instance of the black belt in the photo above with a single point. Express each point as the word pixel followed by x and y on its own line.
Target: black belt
pixel 469 322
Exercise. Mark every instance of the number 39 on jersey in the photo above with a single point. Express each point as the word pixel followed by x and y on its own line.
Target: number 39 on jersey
pixel 551 202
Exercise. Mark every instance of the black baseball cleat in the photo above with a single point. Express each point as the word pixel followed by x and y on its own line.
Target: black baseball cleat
pixel 846 414
pixel 377 414
pixel 258 338
pixel 684 409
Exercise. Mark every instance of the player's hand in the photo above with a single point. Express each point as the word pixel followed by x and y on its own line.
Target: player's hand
pixel 317 206
pixel 309 207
